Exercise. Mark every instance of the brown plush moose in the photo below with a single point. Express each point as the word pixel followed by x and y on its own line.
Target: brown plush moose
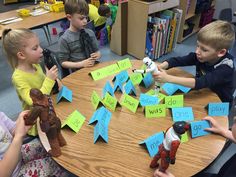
pixel 49 122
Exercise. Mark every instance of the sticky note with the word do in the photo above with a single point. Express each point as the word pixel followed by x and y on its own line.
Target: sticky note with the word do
pixel 174 101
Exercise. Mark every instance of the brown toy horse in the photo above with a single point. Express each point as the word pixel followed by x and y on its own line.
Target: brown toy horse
pixel 49 122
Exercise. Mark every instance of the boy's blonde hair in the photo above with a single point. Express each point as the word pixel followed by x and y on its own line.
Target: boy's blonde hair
pixel 218 35
pixel 76 6
pixel 13 42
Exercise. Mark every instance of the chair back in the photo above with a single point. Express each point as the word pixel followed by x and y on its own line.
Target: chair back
pixel 226 15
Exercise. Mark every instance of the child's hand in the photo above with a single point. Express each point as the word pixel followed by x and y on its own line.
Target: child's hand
pixel 60 84
pixel 87 63
pixel 96 55
pixel 158 173
pixel 52 73
pixel 215 126
pixel 21 129
pixel 161 76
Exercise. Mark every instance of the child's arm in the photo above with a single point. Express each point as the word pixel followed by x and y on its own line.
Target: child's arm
pixel 13 153
pixel 163 77
pixel 79 64
pixel 217 128
pixel 159 173
pixel 96 55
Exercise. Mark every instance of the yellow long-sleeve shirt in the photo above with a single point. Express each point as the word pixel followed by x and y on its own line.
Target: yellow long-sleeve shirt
pixel 93 15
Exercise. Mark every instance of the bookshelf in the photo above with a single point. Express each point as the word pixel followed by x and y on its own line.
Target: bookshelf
pixel 138 12
pixel 190 18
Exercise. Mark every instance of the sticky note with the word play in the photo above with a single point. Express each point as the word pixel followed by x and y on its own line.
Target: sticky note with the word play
pixel 153 111
pixel 218 109
pixel 152 143
pixel 174 101
pixel 96 101
pixel 146 100
pixel 74 121
pixel 64 93
pixel 182 114
pixel 129 102
pixel 197 128
pixel 100 131
pixel 124 64
pixel 169 88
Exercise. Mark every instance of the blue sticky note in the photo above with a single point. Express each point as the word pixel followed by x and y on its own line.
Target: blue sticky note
pixel 122 77
pixel 183 88
pixel 218 109
pixel 129 88
pixel 169 88
pixel 197 128
pixel 146 100
pixel 100 131
pixel 64 93
pixel 117 86
pixel 147 80
pixel 101 115
pixel 182 114
pixel 107 88
pixel 153 142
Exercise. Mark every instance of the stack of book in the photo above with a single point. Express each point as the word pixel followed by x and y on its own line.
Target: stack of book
pixel 162 32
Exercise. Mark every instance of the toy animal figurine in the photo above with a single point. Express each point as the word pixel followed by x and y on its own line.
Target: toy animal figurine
pixel 167 150
pixel 151 68
pixel 49 122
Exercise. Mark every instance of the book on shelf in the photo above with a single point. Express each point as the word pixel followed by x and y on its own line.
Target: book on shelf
pixel 162 33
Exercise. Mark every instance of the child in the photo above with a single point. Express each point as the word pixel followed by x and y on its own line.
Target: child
pixel 74 52
pixel 24 53
pixel 98 20
pixel 23 160
pixel 108 10
pixel 214 65
pixel 228 170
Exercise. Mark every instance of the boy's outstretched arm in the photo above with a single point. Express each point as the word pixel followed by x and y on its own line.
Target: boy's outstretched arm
pixel 163 77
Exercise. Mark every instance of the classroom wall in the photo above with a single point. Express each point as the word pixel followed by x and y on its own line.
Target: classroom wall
pixel 222 4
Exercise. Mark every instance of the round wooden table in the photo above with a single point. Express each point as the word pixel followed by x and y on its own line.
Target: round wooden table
pixel 122 155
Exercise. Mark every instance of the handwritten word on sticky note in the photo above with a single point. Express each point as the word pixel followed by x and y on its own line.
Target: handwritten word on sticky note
pixel 182 114
pixel 152 143
pixel 121 77
pixel 118 86
pixel 146 100
pixel 197 128
pixel 136 78
pixel 169 88
pixel 100 131
pixel 64 93
pixel 74 121
pixel 129 88
pixel 110 102
pixel 153 111
pixel 218 109
pixel 124 64
pixel 104 72
pixel 130 103
pixel 102 114
pixel 174 101
pixel 107 88
pixel 96 101
pixel 147 80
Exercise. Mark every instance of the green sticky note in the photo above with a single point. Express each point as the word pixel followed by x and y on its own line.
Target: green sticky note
pixel 150 92
pixel 161 96
pixel 130 103
pixel 175 101
pixel 110 101
pixel 95 99
pixel 136 78
pixel 74 121
pixel 184 137
pixel 98 74
pixel 112 69
pixel 124 64
pixel 158 110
